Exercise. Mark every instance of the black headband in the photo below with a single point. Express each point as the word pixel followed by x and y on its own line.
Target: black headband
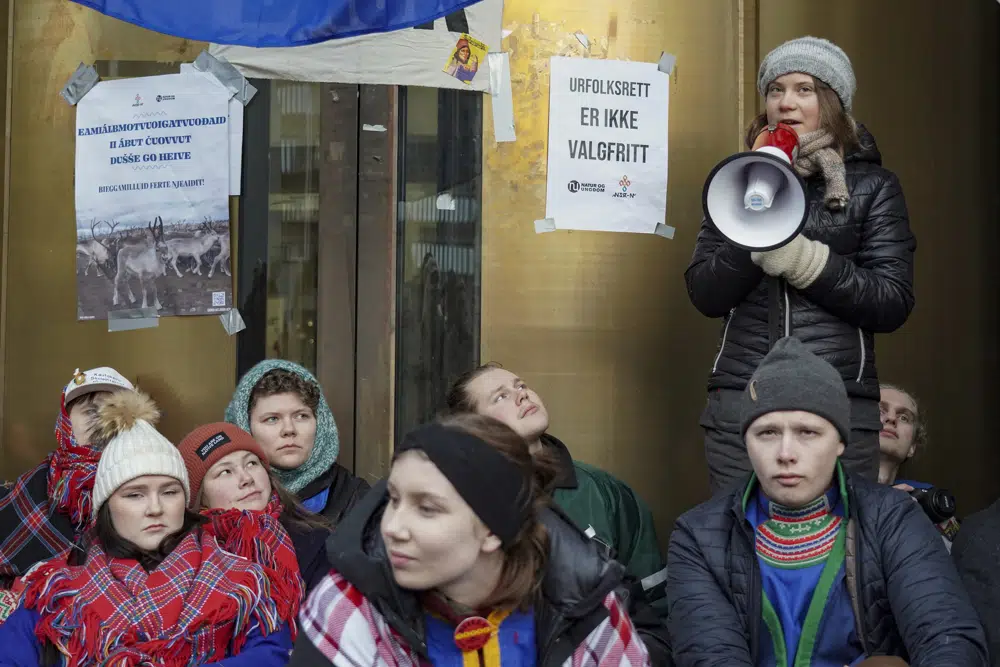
pixel 492 485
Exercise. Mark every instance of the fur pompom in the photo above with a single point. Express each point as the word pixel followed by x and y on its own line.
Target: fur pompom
pixel 120 411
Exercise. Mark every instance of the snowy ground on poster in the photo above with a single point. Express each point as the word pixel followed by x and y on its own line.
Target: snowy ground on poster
pixel 185 266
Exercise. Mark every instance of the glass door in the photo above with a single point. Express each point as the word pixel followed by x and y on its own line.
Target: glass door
pixel 297 242
pixel 358 250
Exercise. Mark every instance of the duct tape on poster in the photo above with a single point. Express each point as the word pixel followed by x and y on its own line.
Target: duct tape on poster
pixel 80 83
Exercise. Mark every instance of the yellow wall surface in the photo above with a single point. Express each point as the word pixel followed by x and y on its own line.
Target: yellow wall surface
pixel 187 363
pixel 600 323
pixel 928 77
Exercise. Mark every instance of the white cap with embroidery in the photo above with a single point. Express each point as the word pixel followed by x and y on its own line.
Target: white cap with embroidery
pixel 96 379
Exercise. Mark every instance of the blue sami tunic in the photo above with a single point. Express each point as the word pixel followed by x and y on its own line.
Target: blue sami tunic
pixel 516 637
pixel 806 609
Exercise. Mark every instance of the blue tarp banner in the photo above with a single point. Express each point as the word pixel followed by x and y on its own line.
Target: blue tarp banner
pixel 274 22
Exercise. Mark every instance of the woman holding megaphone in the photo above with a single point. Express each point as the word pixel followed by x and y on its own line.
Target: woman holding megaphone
pixel 839 270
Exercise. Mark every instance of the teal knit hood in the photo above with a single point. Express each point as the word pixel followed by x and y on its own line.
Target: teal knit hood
pixel 327 444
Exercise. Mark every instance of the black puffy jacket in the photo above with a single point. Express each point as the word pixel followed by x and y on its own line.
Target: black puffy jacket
pixel 912 601
pixel 866 287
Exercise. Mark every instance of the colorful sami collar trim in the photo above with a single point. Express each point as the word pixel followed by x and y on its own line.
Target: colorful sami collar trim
pixel 817 605
pixel 797 538
pixel 841 486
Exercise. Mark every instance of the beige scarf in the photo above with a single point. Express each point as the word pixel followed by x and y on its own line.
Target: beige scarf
pixel 817 155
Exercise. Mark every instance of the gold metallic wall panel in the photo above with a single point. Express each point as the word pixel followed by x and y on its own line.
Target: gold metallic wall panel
pixel 600 323
pixel 928 75
pixel 187 363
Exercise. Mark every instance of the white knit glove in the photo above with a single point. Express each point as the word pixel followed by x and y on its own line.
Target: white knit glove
pixel 800 261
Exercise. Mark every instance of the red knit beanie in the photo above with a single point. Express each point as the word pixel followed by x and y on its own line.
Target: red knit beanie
pixel 205 445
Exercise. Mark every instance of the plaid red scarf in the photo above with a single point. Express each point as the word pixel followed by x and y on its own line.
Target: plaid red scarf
pixel 260 538
pixel 196 607
pixel 48 508
pixel 72 468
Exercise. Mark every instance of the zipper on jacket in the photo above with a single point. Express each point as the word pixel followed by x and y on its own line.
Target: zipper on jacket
pixel 788 310
pixel 754 611
pixel 857 581
pixel 852 517
pixel 725 332
pixel 775 317
pixel 861 369
pixel 753 608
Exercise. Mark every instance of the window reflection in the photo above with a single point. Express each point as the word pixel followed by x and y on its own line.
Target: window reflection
pixel 439 247
pixel 293 222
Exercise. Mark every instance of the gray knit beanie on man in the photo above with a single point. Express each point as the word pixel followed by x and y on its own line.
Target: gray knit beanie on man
pixel 792 378
pixel 811 55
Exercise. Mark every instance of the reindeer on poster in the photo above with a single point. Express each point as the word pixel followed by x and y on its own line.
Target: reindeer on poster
pixel 146 262
pixel 95 251
pixel 222 259
pixel 193 246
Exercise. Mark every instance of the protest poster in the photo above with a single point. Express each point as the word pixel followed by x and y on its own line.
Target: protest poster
pixel 408 57
pixel 235 130
pixel 152 197
pixel 607 162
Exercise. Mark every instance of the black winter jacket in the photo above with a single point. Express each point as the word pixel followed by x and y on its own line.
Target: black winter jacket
pixel 866 287
pixel 912 601
pixel 577 579
pixel 345 490
pixel 977 554
pixel 310 551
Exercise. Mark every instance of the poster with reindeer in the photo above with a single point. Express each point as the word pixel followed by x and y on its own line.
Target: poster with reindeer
pixel 152 197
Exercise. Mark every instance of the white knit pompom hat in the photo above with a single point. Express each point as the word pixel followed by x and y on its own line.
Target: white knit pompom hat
pixel 135 448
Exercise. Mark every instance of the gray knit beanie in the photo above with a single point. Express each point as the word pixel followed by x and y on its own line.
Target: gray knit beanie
pixel 811 55
pixel 792 378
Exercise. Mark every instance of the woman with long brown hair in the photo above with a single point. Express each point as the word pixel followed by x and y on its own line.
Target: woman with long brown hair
pixel 458 559
pixel 846 277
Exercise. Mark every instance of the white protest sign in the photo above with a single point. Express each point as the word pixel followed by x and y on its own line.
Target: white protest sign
pixel 152 196
pixel 607 166
pixel 235 130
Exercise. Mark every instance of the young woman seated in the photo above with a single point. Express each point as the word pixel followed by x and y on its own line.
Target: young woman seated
pixel 281 404
pixel 458 559
pixel 152 588
pixel 252 515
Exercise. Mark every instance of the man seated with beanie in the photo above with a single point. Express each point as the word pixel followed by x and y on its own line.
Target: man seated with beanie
pixel 804 564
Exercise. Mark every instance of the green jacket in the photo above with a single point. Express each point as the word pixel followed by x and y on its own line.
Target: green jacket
pixel 609 511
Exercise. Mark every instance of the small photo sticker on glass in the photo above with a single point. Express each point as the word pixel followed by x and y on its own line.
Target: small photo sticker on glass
pixel 468 54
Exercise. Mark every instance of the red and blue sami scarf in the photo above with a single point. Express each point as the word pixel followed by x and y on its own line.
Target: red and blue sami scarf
pixel 48 508
pixel 260 538
pixel 199 604
pixel 72 469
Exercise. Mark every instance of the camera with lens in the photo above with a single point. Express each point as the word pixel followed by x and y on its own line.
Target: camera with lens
pixel 938 504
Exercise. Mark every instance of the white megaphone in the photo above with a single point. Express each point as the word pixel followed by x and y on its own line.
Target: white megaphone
pixel 755 198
